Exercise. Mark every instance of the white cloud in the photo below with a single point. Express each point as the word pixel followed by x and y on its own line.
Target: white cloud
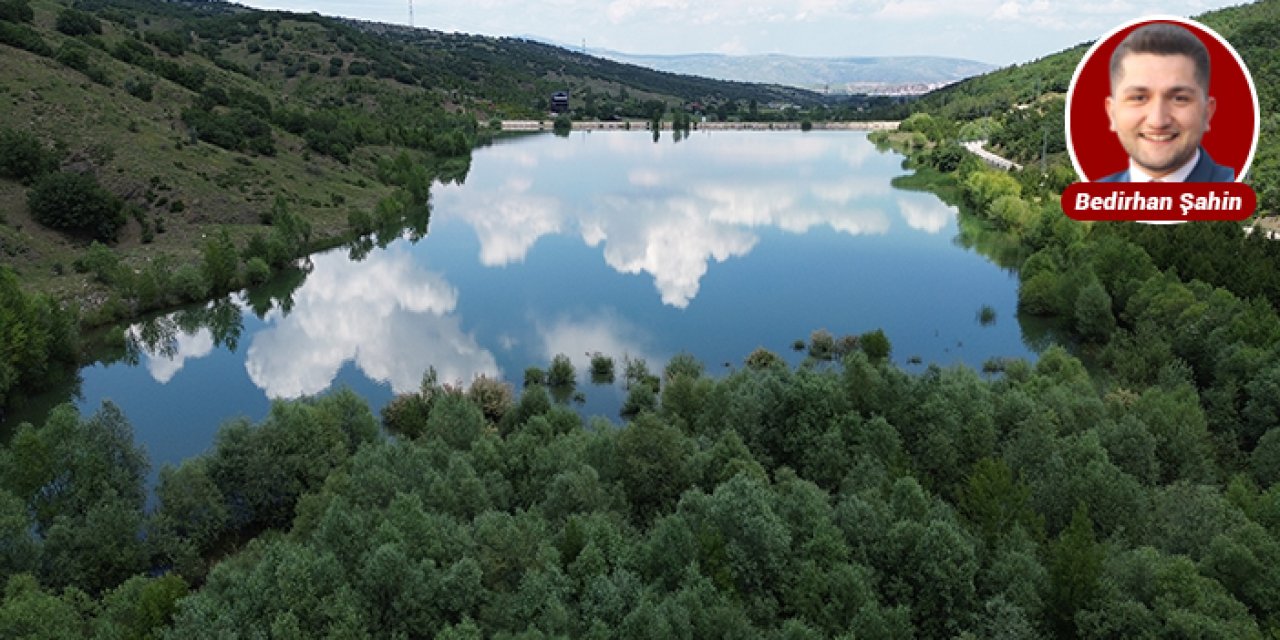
pixel 1025 30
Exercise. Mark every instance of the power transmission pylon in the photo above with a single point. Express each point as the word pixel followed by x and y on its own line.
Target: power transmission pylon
pixel 410 14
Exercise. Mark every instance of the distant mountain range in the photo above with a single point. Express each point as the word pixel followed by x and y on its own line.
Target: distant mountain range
pixel 889 75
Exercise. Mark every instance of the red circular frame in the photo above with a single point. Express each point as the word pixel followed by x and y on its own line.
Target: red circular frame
pixel 1232 137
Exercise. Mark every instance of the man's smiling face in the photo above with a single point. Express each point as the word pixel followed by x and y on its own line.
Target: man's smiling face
pixel 1159 111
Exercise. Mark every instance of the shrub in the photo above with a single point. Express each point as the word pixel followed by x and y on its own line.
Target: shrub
pixel 24 37
pixel 533 376
pixel 636 373
pixel 16 11
pixel 986 315
pixel 406 415
pixel 822 345
pixel 167 41
pixel 762 359
pixel 132 51
pixel 75 203
pixel 494 397
pixel 683 364
pixel 74 55
pixel 561 373
pixel 139 88
pixel 101 262
pixel 23 157
pixel 77 23
pixel 257 271
pixel 601 368
pixel 189 283
pixel 360 222
pixel 875 344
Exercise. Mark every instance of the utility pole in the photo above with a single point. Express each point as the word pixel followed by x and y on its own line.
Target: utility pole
pixel 410 14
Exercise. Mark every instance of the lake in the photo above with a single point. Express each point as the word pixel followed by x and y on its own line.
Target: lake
pixel 603 242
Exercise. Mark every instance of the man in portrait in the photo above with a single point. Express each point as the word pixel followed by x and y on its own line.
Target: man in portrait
pixel 1160 106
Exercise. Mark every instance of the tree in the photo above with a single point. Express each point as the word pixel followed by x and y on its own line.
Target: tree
pixel 1265 459
pixel 38 340
pixel 221 263
pixel 16 11
pixel 23 157
pixel 78 23
pixel 1093 319
pixel 75 203
pixel 1075 565
pixel 561 372
pixel 876 345
pixel 652 465
pixel 190 508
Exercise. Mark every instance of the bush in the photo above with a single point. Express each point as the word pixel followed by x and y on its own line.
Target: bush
pixel 534 377
pixel 257 271
pixel 601 368
pixel 132 51
pixel 875 344
pixel 75 203
pixel 23 37
pixel 78 23
pixel 74 55
pixel 23 157
pixel 494 397
pixel 360 222
pixel 16 11
pixel 139 88
pixel 189 283
pixel 561 373
pixel 822 345
pixel 167 41
pixel 101 262
pixel 762 359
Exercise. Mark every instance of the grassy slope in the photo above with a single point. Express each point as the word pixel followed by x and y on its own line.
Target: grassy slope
pixel 1250 28
pixel 143 151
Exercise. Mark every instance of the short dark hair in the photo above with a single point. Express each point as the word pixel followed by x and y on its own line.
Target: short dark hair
pixel 1163 39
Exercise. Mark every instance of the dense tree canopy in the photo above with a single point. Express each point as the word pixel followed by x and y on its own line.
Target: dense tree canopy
pixel 825 501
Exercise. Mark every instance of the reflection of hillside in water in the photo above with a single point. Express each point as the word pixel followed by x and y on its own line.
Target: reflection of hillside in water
pixel 673 224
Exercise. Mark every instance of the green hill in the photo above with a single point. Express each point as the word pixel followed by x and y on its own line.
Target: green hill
pixel 994 103
pixel 195 117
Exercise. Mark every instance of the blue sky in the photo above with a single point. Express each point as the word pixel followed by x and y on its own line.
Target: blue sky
pixel 995 31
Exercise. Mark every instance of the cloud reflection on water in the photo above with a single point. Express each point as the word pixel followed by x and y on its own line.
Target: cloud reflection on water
pixel 387 314
pixel 605 332
pixel 165 361
pixel 672 226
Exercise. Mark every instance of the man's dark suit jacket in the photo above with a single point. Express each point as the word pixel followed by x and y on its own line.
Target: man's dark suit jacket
pixel 1206 170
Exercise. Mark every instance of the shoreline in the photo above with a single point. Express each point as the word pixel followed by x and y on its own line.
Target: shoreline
pixel 643 125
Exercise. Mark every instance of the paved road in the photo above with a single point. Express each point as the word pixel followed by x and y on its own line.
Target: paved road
pixel 975 147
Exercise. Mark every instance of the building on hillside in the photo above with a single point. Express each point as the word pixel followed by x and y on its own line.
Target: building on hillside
pixel 560 102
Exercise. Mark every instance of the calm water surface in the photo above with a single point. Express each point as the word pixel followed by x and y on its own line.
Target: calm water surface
pixel 599 242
